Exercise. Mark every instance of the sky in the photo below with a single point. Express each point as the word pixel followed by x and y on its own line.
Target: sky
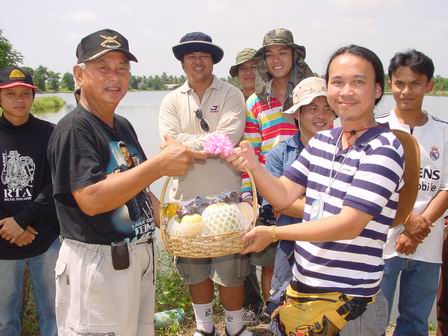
pixel 47 32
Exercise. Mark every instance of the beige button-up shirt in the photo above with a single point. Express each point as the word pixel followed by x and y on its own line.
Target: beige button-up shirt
pixel 223 108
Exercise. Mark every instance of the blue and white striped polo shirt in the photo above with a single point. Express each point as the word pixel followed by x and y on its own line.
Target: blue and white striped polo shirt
pixel 368 177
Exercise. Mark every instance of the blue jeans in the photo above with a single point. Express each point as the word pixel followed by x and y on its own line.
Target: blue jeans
pixel 418 286
pixel 11 285
pixel 284 261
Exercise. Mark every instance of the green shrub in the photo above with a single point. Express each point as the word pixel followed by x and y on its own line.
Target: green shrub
pixel 171 292
pixel 47 104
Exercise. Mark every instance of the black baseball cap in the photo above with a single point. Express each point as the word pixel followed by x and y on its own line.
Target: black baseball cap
pixel 101 42
pixel 15 76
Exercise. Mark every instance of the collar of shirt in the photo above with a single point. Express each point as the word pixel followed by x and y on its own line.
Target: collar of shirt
pixel 370 134
pixel 216 84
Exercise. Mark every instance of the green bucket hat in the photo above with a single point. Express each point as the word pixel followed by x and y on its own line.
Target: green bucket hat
pixel 243 56
pixel 299 71
pixel 280 36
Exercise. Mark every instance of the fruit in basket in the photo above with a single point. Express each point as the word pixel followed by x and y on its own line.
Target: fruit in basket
pixel 247 212
pixel 174 227
pixel 220 218
pixel 192 225
pixel 170 209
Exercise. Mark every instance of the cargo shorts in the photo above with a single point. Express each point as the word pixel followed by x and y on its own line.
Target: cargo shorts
pixel 227 271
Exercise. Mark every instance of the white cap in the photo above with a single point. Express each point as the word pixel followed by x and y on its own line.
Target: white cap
pixel 306 91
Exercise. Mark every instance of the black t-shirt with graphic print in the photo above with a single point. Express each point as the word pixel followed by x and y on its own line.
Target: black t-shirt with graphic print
pixel 25 185
pixel 82 151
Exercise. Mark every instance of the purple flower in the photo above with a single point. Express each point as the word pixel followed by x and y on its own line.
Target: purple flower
pixel 218 143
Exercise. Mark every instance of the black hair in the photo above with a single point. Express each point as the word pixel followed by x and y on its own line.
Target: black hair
pixel 416 60
pixel 366 54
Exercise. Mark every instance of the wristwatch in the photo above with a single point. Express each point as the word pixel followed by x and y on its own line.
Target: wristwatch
pixel 274 235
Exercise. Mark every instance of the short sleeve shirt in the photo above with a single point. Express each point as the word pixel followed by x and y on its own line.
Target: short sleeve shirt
pixel 83 150
pixel 366 177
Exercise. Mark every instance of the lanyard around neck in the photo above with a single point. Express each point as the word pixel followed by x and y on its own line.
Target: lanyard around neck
pixel 332 179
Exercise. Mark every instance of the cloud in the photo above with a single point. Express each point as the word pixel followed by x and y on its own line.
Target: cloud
pixel 80 16
pixel 365 4
pixel 214 7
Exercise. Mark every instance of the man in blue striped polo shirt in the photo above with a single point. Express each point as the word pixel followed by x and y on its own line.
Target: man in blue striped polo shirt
pixel 350 176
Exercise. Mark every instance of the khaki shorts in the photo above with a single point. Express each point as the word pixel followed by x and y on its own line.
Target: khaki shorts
pixel 227 271
pixel 92 298
pixel 265 257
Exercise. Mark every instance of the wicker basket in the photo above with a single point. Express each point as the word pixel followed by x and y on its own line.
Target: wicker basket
pixel 203 246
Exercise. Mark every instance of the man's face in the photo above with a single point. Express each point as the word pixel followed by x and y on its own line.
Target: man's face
pixel 279 60
pixel 16 103
pixel 198 66
pixel 246 74
pixel 351 88
pixel 315 117
pixel 409 88
pixel 104 81
pixel 127 156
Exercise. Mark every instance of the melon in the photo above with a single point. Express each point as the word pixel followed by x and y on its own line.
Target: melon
pixel 192 225
pixel 174 227
pixel 220 218
pixel 247 212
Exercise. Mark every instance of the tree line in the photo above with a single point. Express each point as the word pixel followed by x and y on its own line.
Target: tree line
pixel 47 80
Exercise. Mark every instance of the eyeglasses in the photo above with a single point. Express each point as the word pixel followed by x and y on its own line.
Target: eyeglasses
pixel 203 123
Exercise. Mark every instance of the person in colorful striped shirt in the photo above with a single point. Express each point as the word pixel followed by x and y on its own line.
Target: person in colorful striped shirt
pixel 350 176
pixel 280 67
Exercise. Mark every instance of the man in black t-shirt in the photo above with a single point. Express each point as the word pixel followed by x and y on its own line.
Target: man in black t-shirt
pixel 28 224
pixel 105 270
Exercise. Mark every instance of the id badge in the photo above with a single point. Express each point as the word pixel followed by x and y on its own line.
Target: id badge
pixel 317 207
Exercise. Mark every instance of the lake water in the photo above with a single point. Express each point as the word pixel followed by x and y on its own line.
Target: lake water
pixel 142 109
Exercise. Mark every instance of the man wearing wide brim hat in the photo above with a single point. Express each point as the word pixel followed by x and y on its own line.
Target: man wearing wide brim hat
pixel 280 67
pixel 244 69
pixel 107 215
pixel 197 41
pixel 299 69
pixel 206 105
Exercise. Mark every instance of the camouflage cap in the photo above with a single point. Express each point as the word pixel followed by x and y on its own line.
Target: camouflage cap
pixel 243 56
pixel 280 36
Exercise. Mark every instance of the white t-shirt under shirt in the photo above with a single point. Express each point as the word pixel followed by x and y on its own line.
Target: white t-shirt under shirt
pixel 433 140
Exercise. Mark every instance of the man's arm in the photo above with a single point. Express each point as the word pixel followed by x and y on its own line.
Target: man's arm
pixel 418 225
pixel 348 224
pixel 296 209
pixel 116 189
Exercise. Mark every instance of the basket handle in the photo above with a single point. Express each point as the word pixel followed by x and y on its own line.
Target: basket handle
pixel 163 194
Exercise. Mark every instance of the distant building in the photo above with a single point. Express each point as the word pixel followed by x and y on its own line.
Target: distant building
pixel 172 86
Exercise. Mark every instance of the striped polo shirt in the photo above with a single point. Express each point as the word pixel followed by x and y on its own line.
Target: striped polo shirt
pixel 266 126
pixel 366 177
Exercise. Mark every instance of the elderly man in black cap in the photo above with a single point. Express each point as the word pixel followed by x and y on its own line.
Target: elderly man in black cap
pixel 204 105
pixel 105 270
